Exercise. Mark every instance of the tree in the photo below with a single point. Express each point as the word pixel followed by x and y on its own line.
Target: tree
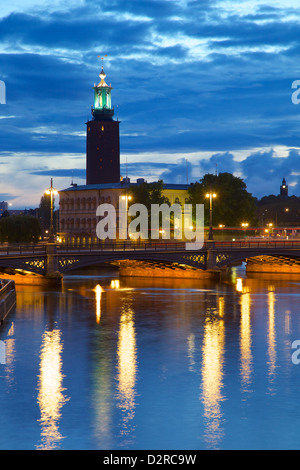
pixel 20 229
pixel 44 212
pixel 279 211
pixel 148 194
pixel 233 204
pixel 5 214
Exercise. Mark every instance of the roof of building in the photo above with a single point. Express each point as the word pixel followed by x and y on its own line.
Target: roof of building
pixel 120 185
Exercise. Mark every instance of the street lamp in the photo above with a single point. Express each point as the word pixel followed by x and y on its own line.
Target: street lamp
pixel 270 227
pixel 51 191
pixel 244 226
pixel 127 198
pixel 210 196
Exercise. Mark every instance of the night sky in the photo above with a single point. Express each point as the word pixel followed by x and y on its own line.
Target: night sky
pixel 198 85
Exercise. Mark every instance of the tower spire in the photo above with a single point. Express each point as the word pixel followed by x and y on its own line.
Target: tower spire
pixel 102 108
pixel 102 139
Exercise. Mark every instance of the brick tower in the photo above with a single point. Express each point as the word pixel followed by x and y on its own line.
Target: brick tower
pixel 102 138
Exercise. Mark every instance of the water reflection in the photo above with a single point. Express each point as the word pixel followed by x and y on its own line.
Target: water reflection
pixel 191 351
pixel 217 340
pixel 127 367
pixel 271 334
pixel 245 340
pixel 115 284
pixel 10 350
pixel 212 380
pixel 50 397
pixel 98 291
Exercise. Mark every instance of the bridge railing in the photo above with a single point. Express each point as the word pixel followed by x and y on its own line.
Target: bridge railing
pixel 21 249
pixel 177 246
pixel 128 245
pixel 256 244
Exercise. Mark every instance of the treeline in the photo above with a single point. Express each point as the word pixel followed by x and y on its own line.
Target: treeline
pixel 232 206
pixel 281 211
pixel 20 229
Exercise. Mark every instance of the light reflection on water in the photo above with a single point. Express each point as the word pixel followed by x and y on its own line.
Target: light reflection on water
pixel 127 367
pixel 108 363
pixel 212 380
pixel 51 397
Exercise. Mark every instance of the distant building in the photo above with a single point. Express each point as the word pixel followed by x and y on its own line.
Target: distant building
pixel 284 189
pixel 3 207
pixel 33 212
pixel 16 211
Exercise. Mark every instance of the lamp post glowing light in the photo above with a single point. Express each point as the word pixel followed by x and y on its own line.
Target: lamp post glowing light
pixel 210 196
pixel 52 192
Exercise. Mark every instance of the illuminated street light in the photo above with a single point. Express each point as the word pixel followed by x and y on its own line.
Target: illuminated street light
pixel 52 192
pixel 127 198
pixel 210 196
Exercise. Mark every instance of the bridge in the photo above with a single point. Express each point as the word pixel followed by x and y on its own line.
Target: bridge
pixel 47 259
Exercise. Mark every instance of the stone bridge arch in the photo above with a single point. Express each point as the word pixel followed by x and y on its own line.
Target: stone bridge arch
pixel 193 259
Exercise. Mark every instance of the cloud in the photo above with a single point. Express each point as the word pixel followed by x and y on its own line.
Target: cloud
pixel 262 171
pixel 61 172
pixel 188 78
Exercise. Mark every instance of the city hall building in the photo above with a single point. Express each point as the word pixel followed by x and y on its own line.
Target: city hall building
pixel 104 184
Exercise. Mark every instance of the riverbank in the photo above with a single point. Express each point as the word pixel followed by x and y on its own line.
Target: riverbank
pixel 7 298
pixel 269 264
pixel 150 269
pixel 32 279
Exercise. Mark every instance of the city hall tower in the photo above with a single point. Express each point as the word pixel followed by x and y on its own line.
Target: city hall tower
pixel 102 138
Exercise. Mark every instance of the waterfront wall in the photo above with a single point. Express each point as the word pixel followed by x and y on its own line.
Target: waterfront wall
pixel 153 269
pixel 7 298
pixel 31 279
pixel 268 264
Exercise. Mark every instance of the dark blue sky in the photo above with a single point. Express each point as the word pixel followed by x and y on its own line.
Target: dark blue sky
pixel 204 85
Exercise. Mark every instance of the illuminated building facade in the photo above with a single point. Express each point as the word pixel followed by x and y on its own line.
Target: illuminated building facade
pixel 78 204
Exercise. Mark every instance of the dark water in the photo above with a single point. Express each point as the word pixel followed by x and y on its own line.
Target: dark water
pixel 152 364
